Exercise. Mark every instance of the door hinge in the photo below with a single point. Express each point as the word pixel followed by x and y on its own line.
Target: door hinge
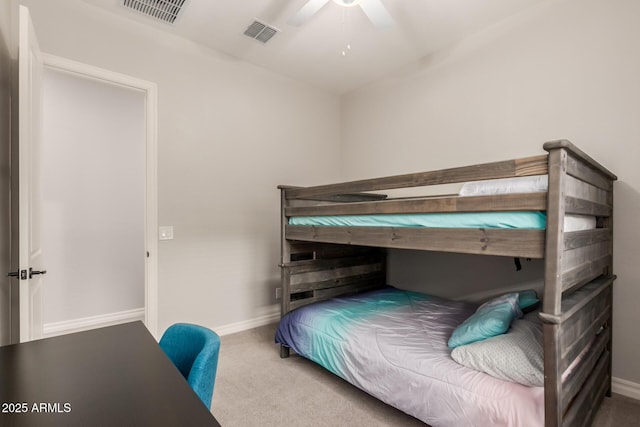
pixel 20 275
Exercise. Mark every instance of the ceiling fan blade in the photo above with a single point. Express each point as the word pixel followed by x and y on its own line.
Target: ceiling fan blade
pixel 377 13
pixel 306 12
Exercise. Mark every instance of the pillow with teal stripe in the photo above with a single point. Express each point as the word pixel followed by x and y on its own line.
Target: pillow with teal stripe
pixel 490 319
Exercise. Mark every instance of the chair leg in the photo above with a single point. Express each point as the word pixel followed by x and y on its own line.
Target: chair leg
pixel 284 351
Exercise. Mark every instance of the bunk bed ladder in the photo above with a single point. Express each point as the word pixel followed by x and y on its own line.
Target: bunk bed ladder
pixel 578 288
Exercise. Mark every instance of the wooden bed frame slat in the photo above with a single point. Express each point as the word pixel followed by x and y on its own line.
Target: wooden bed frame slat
pixel 302 281
pixel 325 294
pixel 586 207
pixel 576 335
pixel 583 190
pixel 499 242
pixel 585 272
pixel 582 341
pixel 574 303
pixel 587 173
pixel 574 381
pixel 377 275
pixel 305 266
pixel 313 280
pixel 579 256
pixel 585 404
pixel 511 202
pixel 336 198
pixel 578 239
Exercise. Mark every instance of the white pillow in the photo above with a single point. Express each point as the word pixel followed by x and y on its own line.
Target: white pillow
pixel 516 356
pixel 523 184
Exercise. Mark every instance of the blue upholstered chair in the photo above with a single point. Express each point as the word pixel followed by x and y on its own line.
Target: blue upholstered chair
pixel 194 351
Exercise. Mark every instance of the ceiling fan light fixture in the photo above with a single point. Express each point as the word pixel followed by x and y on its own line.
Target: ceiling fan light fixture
pixel 347 3
pixel 374 9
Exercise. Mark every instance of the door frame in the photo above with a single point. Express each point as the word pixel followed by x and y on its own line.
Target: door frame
pixel 150 90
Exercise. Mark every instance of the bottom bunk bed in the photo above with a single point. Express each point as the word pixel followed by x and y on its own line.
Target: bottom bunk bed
pixel 393 345
pixel 397 345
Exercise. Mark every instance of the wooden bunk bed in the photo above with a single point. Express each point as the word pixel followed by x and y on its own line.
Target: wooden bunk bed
pixel 320 262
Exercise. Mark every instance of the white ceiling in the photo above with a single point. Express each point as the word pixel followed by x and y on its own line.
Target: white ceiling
pixel 313 52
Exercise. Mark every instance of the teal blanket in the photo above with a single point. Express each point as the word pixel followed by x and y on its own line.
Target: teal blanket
pixel 522 220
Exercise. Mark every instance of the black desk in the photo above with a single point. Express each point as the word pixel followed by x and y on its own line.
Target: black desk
pixel 115 376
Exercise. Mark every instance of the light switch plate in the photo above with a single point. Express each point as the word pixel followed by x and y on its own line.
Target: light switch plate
pixel 166 232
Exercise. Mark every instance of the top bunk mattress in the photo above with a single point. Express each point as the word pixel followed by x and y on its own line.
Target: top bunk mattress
pixel 520 220
pixel 393 345
pixel 533 220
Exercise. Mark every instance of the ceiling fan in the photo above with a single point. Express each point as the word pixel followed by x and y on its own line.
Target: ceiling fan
pixel 374 9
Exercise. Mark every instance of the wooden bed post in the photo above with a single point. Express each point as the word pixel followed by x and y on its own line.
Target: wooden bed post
pixel 608 223
pixel 577 306
pixel 285 258
pixel 553 285
pixel 555 232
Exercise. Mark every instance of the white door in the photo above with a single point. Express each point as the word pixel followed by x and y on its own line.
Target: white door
pixel 28 252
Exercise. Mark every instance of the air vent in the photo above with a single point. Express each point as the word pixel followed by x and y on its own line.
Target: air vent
pixel 162 10
pixel 261 32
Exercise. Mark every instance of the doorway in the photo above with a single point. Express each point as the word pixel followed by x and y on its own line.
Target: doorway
pixel 99 198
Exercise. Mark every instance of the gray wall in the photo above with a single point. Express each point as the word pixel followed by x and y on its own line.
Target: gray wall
pixel 565 69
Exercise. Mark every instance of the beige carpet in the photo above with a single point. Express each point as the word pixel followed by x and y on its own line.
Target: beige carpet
pixel 254 387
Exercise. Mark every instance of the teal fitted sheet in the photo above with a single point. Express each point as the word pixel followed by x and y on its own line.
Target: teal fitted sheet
pixel 521 220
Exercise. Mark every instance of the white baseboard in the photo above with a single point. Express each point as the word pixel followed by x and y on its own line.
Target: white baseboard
pixel 625 388
pixel 248 324
pixel 83 324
